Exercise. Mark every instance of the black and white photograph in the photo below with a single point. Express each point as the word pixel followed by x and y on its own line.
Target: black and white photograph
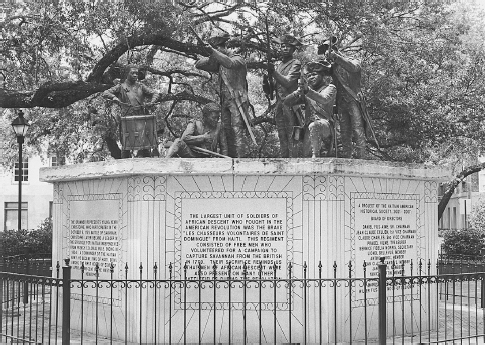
pixel 284 172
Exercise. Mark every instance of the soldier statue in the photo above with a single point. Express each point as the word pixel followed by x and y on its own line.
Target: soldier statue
pixel 201 138
pixel 317 95
pixel 131 96
pixel 347 75
pixel 232 70
pixel 286 76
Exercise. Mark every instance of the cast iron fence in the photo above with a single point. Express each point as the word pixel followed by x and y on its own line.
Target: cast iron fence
pixel 405 303
pixel 35 264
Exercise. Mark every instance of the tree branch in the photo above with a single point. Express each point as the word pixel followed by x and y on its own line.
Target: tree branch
pixel 154 39
pixel 451 186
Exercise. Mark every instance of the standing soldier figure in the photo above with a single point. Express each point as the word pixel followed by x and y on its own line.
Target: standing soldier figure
pixel 286 76
pixel 347 75
pixel 233 91
pixel 317 93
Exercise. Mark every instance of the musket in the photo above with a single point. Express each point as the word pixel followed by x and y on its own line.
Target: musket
pixel 268 58
pixel 335 107
pixel 329 47
pixel 328 25
pixel 237 100
pixel 298 109
pixel 209 152
pixel 245 118
pixel 197 37
pixel 334 117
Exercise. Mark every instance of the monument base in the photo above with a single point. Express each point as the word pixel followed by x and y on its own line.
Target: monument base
pixel 197 220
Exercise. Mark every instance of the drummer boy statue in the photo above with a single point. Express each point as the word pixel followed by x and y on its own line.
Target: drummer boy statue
pixel 131 96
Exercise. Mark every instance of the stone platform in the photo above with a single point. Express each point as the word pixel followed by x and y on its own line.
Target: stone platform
pixel 269 211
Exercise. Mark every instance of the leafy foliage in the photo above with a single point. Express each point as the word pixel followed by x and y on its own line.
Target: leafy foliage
pixel 36 241
pixel 463 241
pixel 424 75
pixel 477 216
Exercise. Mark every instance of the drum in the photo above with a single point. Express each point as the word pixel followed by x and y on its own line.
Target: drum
pixel 138 132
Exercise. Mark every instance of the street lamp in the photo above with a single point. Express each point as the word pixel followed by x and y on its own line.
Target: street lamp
pixel 20 127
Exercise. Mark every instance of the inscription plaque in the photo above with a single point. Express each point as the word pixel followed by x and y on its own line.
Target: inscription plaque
pixel 94 237
pixel 236 230
pixel 384 226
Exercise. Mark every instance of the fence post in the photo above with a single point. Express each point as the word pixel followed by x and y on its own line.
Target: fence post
pixel 66 303
pixel 482 291
pixel 26 282
pixel 382 301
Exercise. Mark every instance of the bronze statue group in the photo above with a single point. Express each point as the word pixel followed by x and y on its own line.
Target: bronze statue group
pixel 315 105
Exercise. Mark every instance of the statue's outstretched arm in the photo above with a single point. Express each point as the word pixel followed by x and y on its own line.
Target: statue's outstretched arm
pixel 230 62
pixel 349 65
pixel 208 64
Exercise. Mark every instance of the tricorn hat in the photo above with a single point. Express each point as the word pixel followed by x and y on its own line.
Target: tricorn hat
pixel 323 47
pixel 210 107
pixel 319 66
pixel 219 40
pixel 288 39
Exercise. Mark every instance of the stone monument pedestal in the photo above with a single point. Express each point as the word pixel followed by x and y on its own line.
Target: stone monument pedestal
pixel 325 217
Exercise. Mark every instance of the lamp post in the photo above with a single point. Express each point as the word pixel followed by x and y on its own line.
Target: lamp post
pixel 20 127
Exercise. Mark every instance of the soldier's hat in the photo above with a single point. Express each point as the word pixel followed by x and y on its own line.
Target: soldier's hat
pixel 210 107
pixel 219 40
pixel 323 47
pixel 320 66
pixel 288 39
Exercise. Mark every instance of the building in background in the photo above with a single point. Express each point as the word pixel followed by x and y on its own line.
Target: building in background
pixel 459 208
pixel 37 196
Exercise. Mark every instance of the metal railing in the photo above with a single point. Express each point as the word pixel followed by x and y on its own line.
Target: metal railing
pixel 404 303
pixel 35 264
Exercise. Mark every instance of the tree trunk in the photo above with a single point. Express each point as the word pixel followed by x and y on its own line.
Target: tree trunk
pixel 454 183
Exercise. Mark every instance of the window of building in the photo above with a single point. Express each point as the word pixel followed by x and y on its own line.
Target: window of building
pixel 25 170
pixel 51 205
pixel 453 221
pixel 56 161
pixel 448 218
pixel 11 216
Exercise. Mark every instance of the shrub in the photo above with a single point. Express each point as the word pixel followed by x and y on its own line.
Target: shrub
pixel 464 242
pixel 477 215
pixel 36 241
